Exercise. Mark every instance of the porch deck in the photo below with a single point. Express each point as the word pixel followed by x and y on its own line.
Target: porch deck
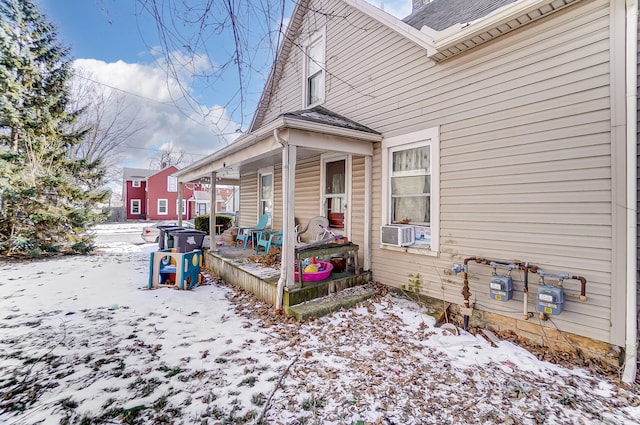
pixel 233 264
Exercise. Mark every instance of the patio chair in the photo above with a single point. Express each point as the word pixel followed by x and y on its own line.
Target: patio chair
pixel 244 233
pixel 268 239
pixel 316 230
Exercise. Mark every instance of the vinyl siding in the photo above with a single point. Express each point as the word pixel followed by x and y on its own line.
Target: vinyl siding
pixel 248 213
pixel 276 219
pixel 357 206
pixel 525 150
pixel 307 189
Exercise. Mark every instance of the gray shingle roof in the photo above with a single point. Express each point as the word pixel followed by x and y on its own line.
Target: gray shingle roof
pixel 441 14
pixel 136 173
pixel 322 115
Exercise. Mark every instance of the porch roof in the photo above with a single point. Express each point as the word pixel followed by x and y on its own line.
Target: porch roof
pixel 312 130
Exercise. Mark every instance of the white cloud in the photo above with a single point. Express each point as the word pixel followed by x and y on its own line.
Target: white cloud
pixel 398 8
pixel 161 111
pixel 164 107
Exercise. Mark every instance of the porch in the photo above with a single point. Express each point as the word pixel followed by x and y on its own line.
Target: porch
pixel 239 267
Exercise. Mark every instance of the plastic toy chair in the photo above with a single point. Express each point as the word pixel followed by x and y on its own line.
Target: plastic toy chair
pixel 315 227
pixel 268 239
pixel 244 233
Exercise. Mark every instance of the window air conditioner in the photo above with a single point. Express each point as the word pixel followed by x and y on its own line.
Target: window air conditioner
pixel 397 235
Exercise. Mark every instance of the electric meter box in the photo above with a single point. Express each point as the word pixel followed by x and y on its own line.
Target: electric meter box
pixel 501 288
pixel 550 299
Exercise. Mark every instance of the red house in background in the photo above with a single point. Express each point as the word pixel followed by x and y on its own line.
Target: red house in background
pixel 134 192
pixel 153 195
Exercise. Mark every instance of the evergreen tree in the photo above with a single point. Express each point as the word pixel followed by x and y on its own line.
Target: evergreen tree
pixel 46 193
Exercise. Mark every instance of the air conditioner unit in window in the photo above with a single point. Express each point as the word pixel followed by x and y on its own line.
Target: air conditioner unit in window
pixel 397 235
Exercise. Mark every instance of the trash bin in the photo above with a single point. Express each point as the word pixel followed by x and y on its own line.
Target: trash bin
pixel 187 240
pixel 164 241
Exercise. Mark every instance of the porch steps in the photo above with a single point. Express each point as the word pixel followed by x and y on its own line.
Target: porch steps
pixel 341 300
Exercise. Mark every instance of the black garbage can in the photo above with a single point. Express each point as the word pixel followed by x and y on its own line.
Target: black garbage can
pixel 187 240
pixel 164 240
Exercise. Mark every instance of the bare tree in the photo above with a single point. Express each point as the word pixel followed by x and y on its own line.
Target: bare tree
pixel 249 30
pixel 110 119
pixel 166 157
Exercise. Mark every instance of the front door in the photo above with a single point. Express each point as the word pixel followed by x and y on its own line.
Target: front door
pixel 335 192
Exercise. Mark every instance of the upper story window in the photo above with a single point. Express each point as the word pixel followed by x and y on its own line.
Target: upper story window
pixel 172 184
pixel 135 183
pixel 314 70
pixel 412 189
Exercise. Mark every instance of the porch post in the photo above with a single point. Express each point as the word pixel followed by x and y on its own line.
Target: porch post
pixel 288 234
pixel 368 205
pixel 179 206
pixel 212 212
pixel 289 222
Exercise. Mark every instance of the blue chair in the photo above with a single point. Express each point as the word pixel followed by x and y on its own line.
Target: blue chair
pixel 267 239
pixel 244 233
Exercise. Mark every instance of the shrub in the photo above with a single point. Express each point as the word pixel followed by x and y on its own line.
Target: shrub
pixel 225 220
pixel 201 222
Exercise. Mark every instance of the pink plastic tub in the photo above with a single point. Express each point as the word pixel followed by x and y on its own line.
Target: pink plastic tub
pixel 319 275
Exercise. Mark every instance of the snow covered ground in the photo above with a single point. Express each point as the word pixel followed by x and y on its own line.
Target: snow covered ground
pixel 82 341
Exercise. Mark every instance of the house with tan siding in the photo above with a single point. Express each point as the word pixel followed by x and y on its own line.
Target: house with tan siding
pixel 493 138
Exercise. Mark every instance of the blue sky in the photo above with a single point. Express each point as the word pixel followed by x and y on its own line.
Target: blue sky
pixel 115 44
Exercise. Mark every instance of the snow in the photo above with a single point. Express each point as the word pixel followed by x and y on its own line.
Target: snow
pixel 84 341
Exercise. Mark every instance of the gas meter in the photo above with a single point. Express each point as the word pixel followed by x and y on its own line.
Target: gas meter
pixel 501 288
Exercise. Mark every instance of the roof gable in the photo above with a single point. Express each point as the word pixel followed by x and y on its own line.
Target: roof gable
pixel 167 171
pixel 294 29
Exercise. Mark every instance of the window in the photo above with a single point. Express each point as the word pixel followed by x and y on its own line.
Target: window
pixel 184 206
pixel 135 183
pixel 172 184
pixel 411 195
pixel 314 70
pixel 163 207
pixel 265 187
pixel 201 208
pixel 335 191
pixel 134 208
pixel 411 184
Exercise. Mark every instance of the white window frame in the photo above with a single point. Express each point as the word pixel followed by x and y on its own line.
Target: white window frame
pixel 320 37
pixel 263 172
pixel 131 206
pixel 172 184
pixel 184 206
pixel 166 206
pixel 135 183
pixel 430 136
pixel 325 158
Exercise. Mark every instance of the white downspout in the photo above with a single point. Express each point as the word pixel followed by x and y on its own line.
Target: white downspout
pixel 631 60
